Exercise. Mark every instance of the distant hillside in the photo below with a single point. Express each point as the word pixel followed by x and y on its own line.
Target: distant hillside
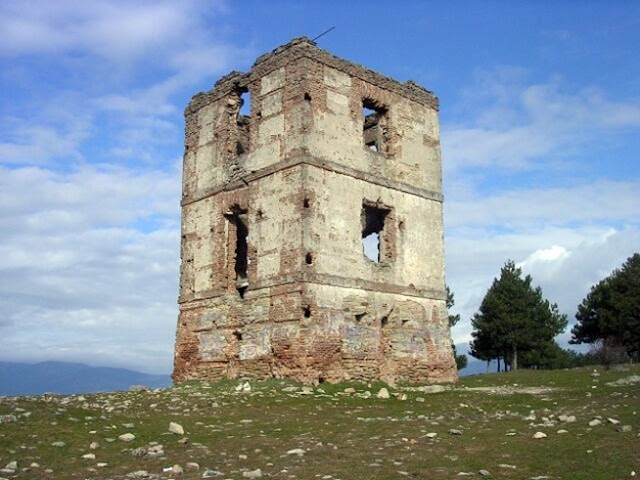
pixel 66 378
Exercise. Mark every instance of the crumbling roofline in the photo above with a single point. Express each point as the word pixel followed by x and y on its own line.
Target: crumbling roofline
pixel 305 48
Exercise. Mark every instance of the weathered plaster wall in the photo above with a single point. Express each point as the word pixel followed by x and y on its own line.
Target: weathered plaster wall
pixel 295 186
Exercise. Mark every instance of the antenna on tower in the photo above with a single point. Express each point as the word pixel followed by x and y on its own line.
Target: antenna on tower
pixel 323 33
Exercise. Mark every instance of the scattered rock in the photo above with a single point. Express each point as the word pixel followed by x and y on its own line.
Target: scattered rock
pixel 138 388
pixel 257 473
pixel 138 474
pixel 433 389
pixel 208 473
pixel 192 466
pixel 567 418
pixel 455 431
pixel 383 393
pixel 8 418
pixel 595 422
pixel 613 421
pixel 176 469
pixel 244 387
pixel 127 437
pixel 484 473
pixel 58 444
pixel 625 381
pixel 506 465
pixel 89 456
pixel 176 428
pixel 539 435
pixel 296 451
pixel 139 452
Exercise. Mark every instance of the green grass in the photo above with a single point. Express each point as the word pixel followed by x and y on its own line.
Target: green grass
pixel 344 436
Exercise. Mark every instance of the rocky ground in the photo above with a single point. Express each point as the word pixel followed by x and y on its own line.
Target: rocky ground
pixel 578 424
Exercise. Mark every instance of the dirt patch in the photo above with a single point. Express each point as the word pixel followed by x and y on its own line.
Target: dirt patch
pixel 510 390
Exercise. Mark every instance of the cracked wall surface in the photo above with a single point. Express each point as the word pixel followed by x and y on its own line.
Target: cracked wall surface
pixel 276 201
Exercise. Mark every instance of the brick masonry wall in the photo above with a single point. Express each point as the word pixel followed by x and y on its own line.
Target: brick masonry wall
pixel 298 175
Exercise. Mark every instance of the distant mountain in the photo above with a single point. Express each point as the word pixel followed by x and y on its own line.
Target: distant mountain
pixel 66 378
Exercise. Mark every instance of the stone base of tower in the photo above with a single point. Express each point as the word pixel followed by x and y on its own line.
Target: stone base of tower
pixel 282 332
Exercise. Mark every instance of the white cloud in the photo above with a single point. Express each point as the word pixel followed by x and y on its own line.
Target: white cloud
pixel 89 263
pixel 119 72
pixel 528 208
pixel 508 124
pixel 114 30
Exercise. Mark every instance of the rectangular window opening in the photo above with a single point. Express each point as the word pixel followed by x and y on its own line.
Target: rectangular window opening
pixel 241 259
pixel 373 225
pixel 374 125
pixel 243 121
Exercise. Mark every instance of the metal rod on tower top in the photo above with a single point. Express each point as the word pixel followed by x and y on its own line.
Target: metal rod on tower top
pixel 323 33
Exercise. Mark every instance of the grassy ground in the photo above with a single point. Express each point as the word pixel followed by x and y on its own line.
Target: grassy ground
pixel 230 434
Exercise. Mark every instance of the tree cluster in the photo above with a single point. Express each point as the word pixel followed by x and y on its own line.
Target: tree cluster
pixel 517 326
pixel 609 316
pixel 514 319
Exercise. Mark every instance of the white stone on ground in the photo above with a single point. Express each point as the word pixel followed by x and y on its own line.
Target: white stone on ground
pixel 383 393
pixel 176 428
pixel 127 437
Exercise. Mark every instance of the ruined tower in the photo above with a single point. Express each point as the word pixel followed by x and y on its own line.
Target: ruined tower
pixel 312 236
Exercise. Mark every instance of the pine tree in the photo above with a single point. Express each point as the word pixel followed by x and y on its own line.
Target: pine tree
pixel 610 313
pixel 513 317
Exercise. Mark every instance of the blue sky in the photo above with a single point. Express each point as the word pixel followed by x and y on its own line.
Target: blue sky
pixel 540 123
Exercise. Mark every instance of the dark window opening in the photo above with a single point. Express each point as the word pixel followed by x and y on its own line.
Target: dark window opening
pixel 308 258
pixel 305 203
pixel 373 224
pixel 374 130
pixel 238 335
pixel 307 312
pixel 359 316
pixel 243 121
pixel 307 97
pixel 241 258
pixel 384 320
pixel 321 380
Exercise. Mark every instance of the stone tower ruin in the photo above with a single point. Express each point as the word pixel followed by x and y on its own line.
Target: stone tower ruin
pixel 312 236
